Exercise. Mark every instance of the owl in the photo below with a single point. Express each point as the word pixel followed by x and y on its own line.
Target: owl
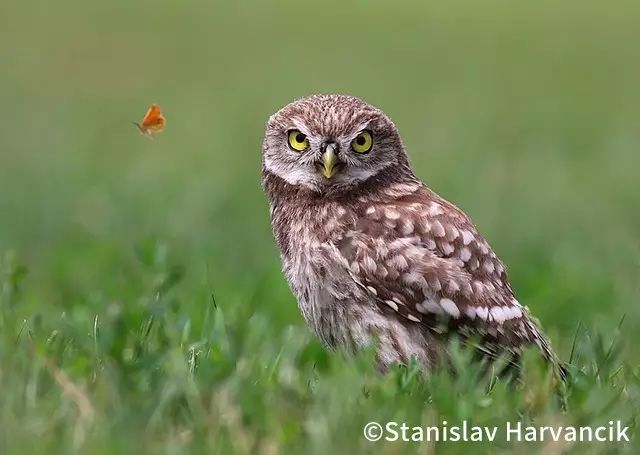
pixel 373 255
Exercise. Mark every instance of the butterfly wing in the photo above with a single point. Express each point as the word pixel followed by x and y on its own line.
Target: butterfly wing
pixel 153 120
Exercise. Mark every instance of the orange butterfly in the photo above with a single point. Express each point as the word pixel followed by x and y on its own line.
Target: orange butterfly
pixel 153 122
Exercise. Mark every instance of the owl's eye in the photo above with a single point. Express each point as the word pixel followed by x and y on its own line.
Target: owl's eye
pixel 363 142
pixel 298 141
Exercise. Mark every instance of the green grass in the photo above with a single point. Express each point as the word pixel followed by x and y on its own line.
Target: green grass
pixel 142 307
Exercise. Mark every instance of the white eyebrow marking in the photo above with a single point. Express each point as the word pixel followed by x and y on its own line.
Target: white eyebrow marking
pixel 300 126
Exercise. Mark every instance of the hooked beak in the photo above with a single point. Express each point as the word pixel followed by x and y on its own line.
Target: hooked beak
pixel 329 161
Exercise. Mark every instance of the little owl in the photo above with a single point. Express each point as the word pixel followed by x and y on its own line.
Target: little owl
pixel 370 252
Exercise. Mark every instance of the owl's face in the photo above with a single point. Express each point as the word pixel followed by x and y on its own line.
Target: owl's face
pixel 330 143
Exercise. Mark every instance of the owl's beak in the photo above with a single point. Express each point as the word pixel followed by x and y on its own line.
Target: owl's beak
pixel 329 161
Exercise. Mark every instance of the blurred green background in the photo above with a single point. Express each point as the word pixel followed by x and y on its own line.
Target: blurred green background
pixel 525 114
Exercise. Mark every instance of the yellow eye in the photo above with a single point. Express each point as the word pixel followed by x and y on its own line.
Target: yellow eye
pixel 363 142
pixel 298 141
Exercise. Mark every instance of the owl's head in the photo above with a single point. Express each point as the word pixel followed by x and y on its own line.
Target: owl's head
pixel 331 143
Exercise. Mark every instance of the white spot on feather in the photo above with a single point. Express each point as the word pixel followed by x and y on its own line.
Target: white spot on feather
pixel 452 233
pixel 414 278
pixel 369 264
pixel 498 314
pixel 450 307
pixel 482 312
pixel 478 287
pixel 398 262
pixel 430 244
pixel 392 214
pixel 467 236
pixel 424 225
pixel 447 248
pixel 437 229
pixel 435 210
pixel 434 284
pixel 406 227
pixel 429 306
pixel 392 304
pixel 452 286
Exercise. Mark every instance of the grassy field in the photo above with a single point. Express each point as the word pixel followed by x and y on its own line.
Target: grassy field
pixel 142 307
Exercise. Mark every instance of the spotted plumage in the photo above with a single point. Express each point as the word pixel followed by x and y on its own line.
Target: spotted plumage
pixel 369 251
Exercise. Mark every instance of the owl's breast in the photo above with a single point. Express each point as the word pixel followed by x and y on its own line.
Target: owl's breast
pixel 317 273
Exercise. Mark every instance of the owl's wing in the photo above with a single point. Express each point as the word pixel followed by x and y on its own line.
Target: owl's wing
pixel 422 257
